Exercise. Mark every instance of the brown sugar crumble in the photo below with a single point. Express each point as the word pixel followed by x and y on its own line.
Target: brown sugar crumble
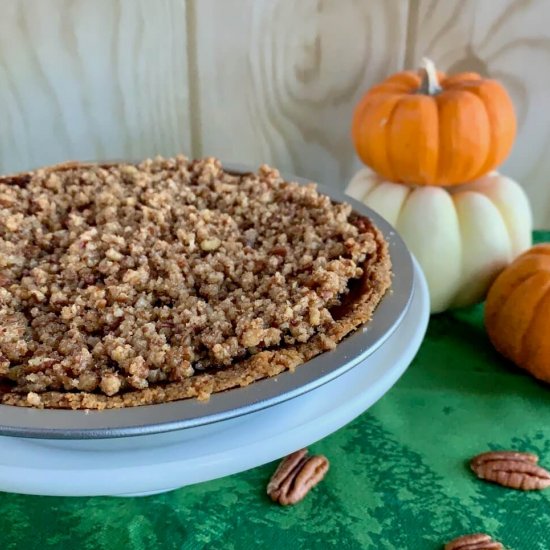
pixel 131 284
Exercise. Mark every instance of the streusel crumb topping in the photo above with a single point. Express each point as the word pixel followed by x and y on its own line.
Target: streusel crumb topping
pixel 117 278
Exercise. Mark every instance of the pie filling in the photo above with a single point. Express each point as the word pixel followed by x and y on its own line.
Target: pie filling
pixel 125 284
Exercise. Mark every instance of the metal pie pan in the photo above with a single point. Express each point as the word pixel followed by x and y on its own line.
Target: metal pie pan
pixel 190 413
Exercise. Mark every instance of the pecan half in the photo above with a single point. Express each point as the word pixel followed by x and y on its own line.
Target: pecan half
pixel 511 469
pixel 295 476
pixel 476 541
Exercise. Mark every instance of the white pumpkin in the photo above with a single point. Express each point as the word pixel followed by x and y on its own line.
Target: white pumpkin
pixel 462 236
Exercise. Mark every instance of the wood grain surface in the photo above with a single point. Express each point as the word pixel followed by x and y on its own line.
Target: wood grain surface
pixel 91 79
pixel 278 79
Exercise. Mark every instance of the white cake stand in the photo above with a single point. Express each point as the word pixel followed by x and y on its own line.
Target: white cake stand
pixel 156 463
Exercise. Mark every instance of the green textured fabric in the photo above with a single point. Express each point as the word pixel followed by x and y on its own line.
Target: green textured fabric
pixel 398 479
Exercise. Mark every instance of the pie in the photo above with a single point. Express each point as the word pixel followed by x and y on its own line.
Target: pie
pixel 133 284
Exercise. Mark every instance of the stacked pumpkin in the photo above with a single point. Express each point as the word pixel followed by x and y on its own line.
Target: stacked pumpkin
pixel 430 143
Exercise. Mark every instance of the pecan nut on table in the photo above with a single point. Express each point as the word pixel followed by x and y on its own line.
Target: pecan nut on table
pixel 512 469
pixel 475 541
pixel 295 476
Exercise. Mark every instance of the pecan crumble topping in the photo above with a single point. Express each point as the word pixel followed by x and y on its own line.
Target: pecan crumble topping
pixel 118 278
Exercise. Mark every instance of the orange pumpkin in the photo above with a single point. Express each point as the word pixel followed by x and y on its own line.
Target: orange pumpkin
pixel 517 312
pixel 426 128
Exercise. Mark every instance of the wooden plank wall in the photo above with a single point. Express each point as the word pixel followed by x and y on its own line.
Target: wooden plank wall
pixel 91 79
pixel 251 80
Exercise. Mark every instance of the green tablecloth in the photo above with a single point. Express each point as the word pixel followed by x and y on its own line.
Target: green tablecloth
pixel 398 478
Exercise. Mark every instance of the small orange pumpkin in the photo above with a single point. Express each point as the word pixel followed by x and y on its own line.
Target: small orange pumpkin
pixel 426 128
pixel 517 312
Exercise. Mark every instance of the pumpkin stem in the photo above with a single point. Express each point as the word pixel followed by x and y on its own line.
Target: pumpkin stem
pixel 429 84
